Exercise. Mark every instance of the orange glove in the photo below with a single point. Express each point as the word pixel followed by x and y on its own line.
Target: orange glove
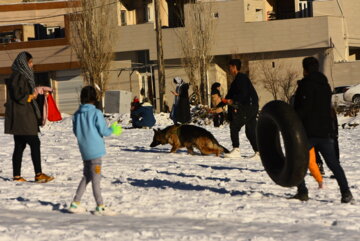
pixel 30 98
pixel 225 101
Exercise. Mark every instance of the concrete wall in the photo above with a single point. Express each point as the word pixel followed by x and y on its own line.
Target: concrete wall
pixel 254 10
pixel 346 73
pixel 42 55
pixel 346 9
pixel 10 1
pixel 30 16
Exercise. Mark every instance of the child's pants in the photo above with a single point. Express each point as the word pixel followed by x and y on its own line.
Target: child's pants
pixel 92 173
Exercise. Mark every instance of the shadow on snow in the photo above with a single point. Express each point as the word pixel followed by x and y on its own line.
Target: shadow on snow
pixel 163 184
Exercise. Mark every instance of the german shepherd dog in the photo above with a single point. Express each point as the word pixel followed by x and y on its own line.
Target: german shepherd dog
pixel 188 136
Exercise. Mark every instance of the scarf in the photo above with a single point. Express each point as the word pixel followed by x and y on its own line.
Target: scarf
pixel 21 66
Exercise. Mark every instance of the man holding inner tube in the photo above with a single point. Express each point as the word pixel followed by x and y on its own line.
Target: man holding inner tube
pixel 243 106
pixel 313 105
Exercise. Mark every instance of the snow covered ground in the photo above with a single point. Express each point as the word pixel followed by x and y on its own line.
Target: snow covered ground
pixel 162 196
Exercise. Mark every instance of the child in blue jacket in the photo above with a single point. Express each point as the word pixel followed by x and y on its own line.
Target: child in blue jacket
pixel 89 127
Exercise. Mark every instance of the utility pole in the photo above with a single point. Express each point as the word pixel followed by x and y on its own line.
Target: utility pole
pixel 160 54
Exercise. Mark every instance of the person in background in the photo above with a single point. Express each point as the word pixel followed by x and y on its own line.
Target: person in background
pixel 217 105
pixel 166 107
pixel 135 104
pixel 243 107
pixel 180 112
pixel 23 116
pixel 313 105
pixel 89 127
pixel 143 116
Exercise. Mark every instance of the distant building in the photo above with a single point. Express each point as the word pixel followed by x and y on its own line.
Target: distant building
pixel 276 31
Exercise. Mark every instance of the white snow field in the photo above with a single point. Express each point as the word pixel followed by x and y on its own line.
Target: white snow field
pixel 163 196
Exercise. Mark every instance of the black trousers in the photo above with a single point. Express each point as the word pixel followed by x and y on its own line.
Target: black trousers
pixel 20 144
pixel 244 116
pixel 337 152
pixel 326 146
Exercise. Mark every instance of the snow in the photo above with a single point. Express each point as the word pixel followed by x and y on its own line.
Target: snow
pixel 163 196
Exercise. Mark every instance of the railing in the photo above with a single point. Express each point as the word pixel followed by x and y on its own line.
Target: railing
pixel 305 9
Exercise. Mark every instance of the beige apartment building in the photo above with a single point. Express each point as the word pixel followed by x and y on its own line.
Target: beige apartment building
pixel 261 32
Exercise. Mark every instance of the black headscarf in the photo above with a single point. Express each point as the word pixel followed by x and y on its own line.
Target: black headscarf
pixel 21 66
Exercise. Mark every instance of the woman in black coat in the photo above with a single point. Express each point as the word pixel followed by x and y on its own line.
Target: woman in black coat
pixel 23 116
pixel 180 112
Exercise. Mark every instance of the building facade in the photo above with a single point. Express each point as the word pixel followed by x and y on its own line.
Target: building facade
pixel 279 33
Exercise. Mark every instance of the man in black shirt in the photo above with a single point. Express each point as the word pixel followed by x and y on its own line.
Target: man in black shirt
pixel 243 108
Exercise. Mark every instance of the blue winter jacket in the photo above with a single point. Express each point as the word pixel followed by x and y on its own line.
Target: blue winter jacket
pixel 143 116
pixel 89 127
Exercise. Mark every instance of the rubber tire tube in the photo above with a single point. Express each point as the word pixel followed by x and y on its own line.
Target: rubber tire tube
pixel 285 169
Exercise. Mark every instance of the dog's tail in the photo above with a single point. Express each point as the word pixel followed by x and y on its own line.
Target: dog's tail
pixel 225 150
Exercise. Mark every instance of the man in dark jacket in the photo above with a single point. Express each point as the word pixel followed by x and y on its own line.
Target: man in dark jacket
pixel 143 116
pixel 313 105
pixel 243 108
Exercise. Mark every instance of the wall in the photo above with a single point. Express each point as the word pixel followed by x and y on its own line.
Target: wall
pixel 30 16
pixel 252 10
pixel 41 56
pixel 346 73
pixel 349 9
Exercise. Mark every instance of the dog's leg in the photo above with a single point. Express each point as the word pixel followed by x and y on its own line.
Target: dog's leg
pixel 173 149
pixel 190 150
pixel 175 142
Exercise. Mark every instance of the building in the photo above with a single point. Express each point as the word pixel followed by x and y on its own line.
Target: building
pixel 273 33
pixel 276 31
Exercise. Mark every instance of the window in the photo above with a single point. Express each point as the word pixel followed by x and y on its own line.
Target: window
pixel 215 15
pixel 123 17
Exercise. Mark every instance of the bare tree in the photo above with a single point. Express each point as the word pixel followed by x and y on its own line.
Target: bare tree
pixel 196 41
pixel 288 84
pixel 277 77
pixel 91 39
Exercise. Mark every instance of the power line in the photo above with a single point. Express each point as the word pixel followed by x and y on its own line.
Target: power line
pixel 54 16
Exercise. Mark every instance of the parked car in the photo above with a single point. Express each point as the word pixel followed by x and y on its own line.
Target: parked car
pixel 337 97
pixel 353 94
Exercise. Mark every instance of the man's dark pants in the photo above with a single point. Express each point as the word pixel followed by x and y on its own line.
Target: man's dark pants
pixel 244 116
pixel 327 149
